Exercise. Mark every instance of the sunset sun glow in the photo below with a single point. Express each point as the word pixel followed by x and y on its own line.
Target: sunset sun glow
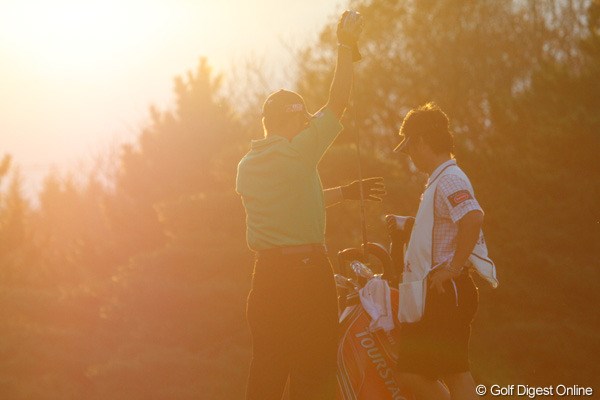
pixel 73 36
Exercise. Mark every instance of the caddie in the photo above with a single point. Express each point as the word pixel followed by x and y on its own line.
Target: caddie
pixel 292 306
pixel 438 298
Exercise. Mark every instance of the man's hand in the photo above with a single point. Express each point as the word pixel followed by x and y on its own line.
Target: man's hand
pixel 373 189
pixel 349 28
pixel 348 31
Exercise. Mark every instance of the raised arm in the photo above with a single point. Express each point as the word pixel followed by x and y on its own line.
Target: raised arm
pixel 348 32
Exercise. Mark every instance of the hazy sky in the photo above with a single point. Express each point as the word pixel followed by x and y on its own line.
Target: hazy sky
pixel 78 76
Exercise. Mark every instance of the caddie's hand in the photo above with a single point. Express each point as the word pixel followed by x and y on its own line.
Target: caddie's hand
pixel 396 234
pixel 390 221
pixel 373 189
pixel 439 277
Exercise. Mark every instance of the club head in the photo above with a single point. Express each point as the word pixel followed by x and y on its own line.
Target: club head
pixel 361 270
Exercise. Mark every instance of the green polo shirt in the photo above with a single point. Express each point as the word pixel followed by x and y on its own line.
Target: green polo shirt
pixel 281 189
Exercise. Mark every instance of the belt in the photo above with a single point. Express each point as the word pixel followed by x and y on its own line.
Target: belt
pixel 304 249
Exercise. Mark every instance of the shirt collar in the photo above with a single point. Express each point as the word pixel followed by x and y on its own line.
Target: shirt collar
pixel 436 172
pixel 258 144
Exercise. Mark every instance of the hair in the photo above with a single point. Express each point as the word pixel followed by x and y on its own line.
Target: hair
pixel 431 123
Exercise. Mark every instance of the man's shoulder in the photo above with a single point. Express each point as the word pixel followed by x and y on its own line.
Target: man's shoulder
pixel 243 161
pixel 320 113
pixel 316 138
pixel 246 158
pixel 324 112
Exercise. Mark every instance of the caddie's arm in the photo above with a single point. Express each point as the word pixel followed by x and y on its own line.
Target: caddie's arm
pixel 348 32
pixel 469 227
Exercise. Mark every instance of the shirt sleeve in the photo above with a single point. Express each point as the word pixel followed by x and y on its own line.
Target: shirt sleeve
pixel 313 142
pixel 456 196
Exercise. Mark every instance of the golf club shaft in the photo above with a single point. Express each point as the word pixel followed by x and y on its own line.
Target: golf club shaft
pixel 363 219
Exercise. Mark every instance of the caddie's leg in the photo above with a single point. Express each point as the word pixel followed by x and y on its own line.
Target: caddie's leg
pixel 461 386
pixel 423 388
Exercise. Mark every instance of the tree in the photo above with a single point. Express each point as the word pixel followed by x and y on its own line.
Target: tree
pixel 177 216
pixel 15 249
pixel 181 153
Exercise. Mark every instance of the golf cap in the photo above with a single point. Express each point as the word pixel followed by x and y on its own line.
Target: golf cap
pixel 283 102
pixel 402 144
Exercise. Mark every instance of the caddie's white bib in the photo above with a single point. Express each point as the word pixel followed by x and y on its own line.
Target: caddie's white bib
pixel 418 260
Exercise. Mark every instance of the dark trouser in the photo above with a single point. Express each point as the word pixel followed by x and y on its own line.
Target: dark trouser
pixel 438 345
pixel 292 313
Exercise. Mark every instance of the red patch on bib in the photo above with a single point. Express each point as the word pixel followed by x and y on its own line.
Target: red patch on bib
pixel 458 197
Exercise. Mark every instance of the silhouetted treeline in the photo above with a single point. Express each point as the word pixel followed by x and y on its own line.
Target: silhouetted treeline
pixel 133 286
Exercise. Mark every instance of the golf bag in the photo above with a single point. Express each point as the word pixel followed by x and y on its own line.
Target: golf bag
pixel 366 358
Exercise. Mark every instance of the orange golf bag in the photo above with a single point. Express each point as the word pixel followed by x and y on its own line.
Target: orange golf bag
pixel 366 358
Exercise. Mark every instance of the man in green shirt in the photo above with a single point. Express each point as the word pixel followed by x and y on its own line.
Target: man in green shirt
pixel 292 307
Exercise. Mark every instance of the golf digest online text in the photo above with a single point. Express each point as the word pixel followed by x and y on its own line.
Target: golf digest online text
pixel 533 392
